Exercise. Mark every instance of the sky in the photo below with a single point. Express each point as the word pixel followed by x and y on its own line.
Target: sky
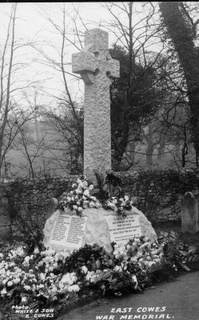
pixel 34 25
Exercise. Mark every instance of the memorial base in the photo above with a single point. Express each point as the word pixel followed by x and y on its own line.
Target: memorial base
pixel 66 231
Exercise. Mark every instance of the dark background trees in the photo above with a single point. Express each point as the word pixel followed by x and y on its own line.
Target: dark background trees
pixel 133 103
pixel 147 90
pixel 135 96
pixel 155 101
pixel 182 29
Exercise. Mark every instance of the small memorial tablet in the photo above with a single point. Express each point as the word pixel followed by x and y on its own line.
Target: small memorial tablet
pixel 123 229
pixel 68 232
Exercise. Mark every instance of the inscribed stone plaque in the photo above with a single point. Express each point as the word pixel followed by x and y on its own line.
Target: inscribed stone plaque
pixel 68 232
pixel 123 229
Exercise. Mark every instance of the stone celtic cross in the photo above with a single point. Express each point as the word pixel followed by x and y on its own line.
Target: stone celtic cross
pixel 97 70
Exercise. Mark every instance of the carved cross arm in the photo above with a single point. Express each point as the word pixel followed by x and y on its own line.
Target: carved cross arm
pixel 83 62
pixel 113 70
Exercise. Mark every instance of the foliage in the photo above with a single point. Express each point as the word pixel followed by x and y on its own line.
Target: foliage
pixel 26 228
pixel 108 185
pixel 110 192
pixel 178 256
pixel 132 102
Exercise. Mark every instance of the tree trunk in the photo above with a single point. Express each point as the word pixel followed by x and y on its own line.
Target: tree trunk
pixel 161 149
pixel 132 150
pixel 184 153
pixel 149 155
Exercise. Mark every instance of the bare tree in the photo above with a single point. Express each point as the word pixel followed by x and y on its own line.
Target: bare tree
pixel 164 127
pixel 65 143
pixel 151 85
pixel 5 82
pixel 12 116
pixel 33 150
pixel 68 125
pixel 137 94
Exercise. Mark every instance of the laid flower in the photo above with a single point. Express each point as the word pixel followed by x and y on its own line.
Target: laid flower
pixel 91 276
pixel 24 299
pixel 98 205
pixel 92 204
pixel 12 264
pixel 135 280
pixel 68 278
pixel 80 209
pixel 40 286
pixel 85 204
pixel 118 268
pixel 42 276
pixel 74 288
pixel 3 292
pixel 62 255
pixel 9 283
pixel 84 269
pixel 36 250
pixel 16 281
pixel 2 265
pixel 27 288
pixel 48 252
pixel 111 205
pixel 20 251
pixel 86 193
pixel 85 184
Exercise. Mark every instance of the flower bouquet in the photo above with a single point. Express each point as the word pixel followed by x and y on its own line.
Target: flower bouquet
pixel 107 193
pixel 79 198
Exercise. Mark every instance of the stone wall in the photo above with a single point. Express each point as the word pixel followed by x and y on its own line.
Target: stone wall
pixel 32 196
pixel 156 197
pixel 4 211
pixel 159 193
